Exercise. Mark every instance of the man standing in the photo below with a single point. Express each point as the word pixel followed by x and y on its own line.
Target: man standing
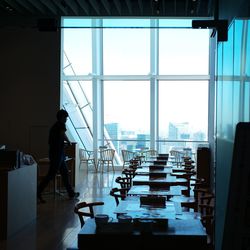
pixel 57 139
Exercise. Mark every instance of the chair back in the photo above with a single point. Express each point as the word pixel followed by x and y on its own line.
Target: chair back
pixel 129 172
pixel 79 210
pixel 127 155
pixel 119 194
pixel 125 182
pixel 178 157
pixel 107 154
pixel 83 154
pixel 150 153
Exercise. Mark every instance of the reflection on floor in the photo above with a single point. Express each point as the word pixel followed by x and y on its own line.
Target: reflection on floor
pixel 57 226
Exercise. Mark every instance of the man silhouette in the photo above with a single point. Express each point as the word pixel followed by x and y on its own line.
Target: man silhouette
pixel 57 140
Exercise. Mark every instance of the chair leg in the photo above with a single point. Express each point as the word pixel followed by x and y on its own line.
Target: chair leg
pixel 101 166
pixel 95 165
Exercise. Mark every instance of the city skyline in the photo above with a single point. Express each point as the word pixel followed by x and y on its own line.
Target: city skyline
pixel 181 133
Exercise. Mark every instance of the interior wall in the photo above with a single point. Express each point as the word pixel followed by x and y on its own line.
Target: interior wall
pixel 29 85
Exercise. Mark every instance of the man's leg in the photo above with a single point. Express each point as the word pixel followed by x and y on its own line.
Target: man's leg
pixel 65 178
pixel 45 181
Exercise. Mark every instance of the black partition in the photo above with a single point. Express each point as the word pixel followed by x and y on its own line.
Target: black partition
pixel 237 218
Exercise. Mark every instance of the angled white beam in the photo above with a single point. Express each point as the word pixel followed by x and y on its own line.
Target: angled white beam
pixel 128 2
pixel 95 6
pixel 118 6
pixel 106 5
pixel 73 6
pixel 84 6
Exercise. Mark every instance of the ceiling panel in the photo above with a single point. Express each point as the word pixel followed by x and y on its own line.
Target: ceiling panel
pixel 57 8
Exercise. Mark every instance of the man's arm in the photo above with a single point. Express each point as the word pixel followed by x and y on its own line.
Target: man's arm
pixel 67 139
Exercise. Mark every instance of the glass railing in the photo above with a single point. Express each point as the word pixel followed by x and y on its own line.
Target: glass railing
pixel 164 146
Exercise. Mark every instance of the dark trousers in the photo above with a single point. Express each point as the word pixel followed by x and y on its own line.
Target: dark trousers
pixel 57 164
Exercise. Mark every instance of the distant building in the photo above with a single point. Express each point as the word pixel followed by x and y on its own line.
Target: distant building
pixel 199 136
pixel 142 141
pixel 113 130
pixel 178 131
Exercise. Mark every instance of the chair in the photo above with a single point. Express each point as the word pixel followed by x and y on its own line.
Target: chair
pixel 178 157
pixel 79 210
pixel 125 182
pixel 206 209
pixel 119 194
pixel 87 156
pixel 129 172
pixel 127 156
pixel 149 153
pixel 106 157
pixel 188 176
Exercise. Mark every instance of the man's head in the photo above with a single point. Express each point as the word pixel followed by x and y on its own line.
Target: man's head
pixel 62 115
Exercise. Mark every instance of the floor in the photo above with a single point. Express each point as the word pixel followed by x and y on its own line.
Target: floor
pixel 57 226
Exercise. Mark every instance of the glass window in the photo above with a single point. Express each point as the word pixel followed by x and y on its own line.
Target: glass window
pixel 126 109
pixel 183 110
pixel 220 60
pixel 246 102
pixel 75 100
pixel 248 49
pixel 177 23
pixel 126 51
pixel 126 23
pixel 228 51
pixel 123 55
pixel 227 104
pixel 237 46
pixel 78 49
pixel 235 105
pixel 183 51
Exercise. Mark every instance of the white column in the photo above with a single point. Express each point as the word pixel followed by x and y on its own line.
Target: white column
pixel 97 69
pixel 154 49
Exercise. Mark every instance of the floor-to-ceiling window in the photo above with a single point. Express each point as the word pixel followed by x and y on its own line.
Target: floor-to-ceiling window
pixel 149 78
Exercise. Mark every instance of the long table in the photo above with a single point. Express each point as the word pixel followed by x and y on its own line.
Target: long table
pixel 134 209
pixel 176 235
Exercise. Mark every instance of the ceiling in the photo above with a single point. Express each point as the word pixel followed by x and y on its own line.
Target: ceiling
pixel 57 8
